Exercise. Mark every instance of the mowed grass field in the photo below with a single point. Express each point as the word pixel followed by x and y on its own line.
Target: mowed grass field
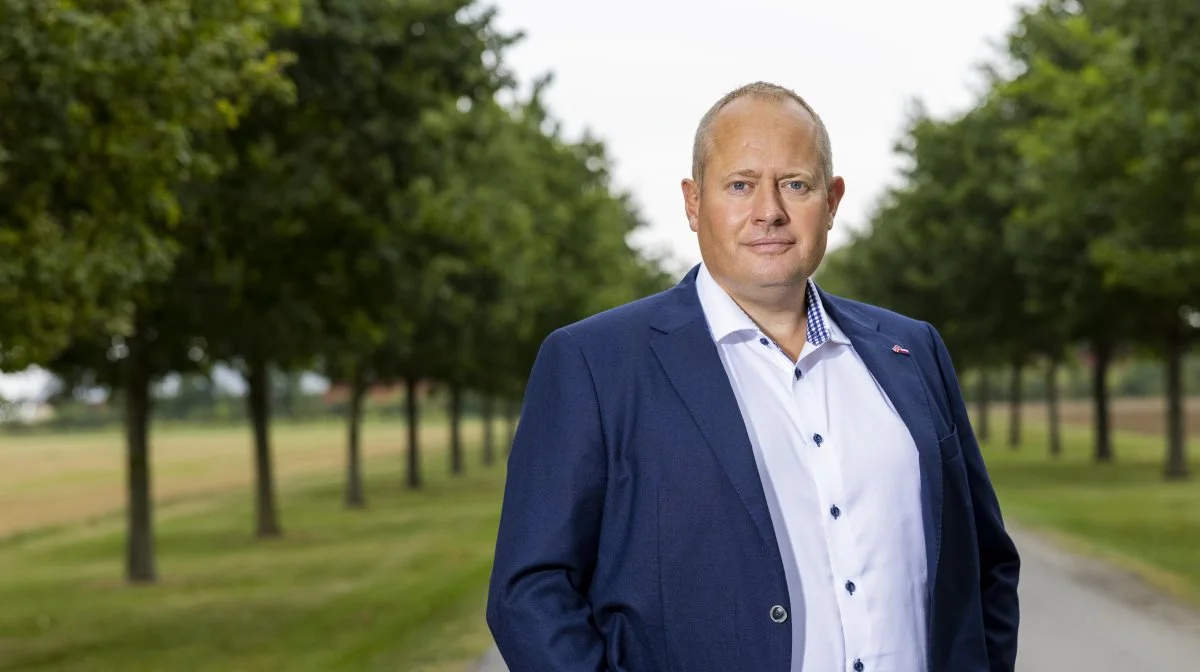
pixel 1124 512
pixel 399 586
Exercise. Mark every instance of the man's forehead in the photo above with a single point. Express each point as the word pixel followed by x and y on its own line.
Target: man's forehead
pixel 762 129
pixel 778 110
pixel 764 142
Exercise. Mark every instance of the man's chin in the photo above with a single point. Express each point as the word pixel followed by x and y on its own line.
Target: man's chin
pixel 779 278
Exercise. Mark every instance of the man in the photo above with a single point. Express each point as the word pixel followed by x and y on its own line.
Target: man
pixel 747 473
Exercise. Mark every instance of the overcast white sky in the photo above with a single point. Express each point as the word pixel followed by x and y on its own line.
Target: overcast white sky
pixel 639 74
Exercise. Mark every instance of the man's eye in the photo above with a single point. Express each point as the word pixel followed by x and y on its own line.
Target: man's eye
pixel 798 185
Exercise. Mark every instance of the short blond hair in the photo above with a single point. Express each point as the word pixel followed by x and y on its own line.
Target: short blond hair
pixel 761 91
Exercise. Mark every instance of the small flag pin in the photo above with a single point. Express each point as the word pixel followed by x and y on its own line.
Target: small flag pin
pixel 899 350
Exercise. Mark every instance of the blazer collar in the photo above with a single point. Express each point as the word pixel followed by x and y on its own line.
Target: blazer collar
pixel 681 305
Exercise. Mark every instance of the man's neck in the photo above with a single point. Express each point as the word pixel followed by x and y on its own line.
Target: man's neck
pixel 781 313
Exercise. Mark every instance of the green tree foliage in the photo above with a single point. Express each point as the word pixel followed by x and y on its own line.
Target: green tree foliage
pixel 1068 182
pixel 1061 208
pixel 109 105
pixel 1112 159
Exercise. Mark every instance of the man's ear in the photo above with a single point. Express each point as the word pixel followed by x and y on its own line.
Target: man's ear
pixel 834 194
pixel 691 202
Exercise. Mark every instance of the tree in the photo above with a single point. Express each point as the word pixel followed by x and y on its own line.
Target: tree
pixel 1154 73
pixel 127 102
pixel 463 279
pixel 330 183
pixel 1109 150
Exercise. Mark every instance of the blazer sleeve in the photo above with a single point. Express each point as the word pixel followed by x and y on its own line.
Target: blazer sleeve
pixel 999 562
pixel 546 547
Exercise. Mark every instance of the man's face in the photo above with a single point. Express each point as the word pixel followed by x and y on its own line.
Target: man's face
pixel 763 212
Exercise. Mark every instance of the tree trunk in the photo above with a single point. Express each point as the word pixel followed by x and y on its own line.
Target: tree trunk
pixel 258 397
pixel 414 464
pixel 139 550
pixel 1101 356
pixel 1176 467
pixel 1052 408
pixel 456 449
pixel 489 436
pixel 983 397
pixel 355 496
pixel 1014 406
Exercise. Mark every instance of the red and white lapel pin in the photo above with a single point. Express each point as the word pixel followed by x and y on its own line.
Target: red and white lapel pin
pixel 899 350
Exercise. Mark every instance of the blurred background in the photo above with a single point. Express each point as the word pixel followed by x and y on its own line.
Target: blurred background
pixel 273 273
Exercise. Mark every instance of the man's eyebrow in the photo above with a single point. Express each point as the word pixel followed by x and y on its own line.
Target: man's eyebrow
pixel 789 175
pixel 743 172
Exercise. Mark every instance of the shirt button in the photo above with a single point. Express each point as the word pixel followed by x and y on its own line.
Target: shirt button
pixel 778 614
pixel 858 666
pixel 818 439
pixel 764 341
pixel 835 511
pixel 850 587
pixel 797 373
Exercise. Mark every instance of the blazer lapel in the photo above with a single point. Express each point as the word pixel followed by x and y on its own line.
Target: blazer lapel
pixel 689 357
pixel 895 369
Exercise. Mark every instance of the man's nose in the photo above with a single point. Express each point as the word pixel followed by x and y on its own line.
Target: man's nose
pixel 768 206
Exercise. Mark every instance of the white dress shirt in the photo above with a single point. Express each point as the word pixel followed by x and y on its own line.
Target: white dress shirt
pixel 840 472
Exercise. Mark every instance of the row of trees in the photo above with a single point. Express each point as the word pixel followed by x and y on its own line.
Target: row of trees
pixel 283 185
pixel 1062 211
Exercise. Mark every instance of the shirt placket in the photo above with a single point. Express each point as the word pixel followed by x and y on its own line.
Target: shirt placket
pixel 810 390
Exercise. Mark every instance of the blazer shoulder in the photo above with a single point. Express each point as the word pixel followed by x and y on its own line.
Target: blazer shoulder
pixel 619 324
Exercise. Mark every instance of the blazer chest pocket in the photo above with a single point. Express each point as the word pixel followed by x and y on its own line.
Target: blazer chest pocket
pixel 949 445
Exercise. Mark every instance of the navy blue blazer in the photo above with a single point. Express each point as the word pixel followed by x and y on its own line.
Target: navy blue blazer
pixel 635 535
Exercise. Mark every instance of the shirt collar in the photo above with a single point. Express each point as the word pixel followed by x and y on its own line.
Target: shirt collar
pixel 726 318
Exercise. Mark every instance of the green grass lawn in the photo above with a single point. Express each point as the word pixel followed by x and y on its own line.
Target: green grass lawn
pixel 399 586
pixel 1124 512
